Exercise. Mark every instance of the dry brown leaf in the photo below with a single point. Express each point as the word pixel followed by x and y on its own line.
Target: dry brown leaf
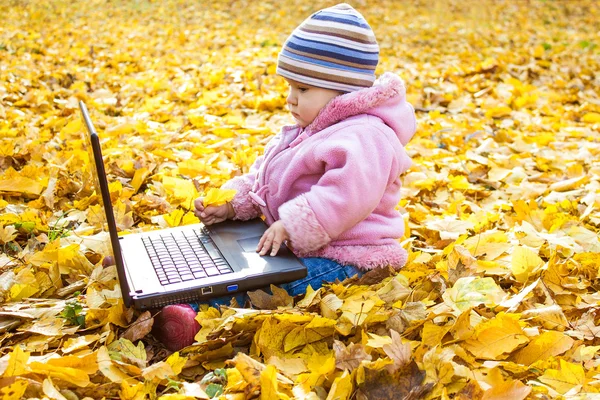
pixel 349 357
pixel 140 328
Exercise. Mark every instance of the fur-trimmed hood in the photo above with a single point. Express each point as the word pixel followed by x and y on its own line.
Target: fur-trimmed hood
pixel 386 99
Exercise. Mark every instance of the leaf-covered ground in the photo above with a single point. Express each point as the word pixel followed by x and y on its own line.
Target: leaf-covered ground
pixel 499 298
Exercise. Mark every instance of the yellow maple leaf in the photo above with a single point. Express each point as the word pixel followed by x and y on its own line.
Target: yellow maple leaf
pixel 320 366
pixel 174 218
pixel 159 371
pixel 548 344
pixel 108 368
pixel 218 197
pixel 192 167
pixel 287 365
pixel 469 292
pixel 183 191
pixel 315 330
pixel 79 342
pixel 268 385
pixel 235 380
pixel 15 390
pixel 329 305
pixel 377 341
pixel 504 389
pixel 25 285
pixel 71 259
pixel 433 334
pixel 85 362
pixel 176 362
pixel 565 378
pixel 525 263
pixel 20 185
pixel 270 338
pixel 342 386
pixel 17 362
pixel 72 375
pixel 497 337
pixel 139 177
pixel 132 390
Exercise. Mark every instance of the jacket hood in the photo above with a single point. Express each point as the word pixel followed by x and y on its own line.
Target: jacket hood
pixel 386 99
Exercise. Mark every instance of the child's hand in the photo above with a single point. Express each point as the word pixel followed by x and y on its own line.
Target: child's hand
pixel 272 239
pixel 212 214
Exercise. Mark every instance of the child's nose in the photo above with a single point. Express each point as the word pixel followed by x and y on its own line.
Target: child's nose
pixel 291 98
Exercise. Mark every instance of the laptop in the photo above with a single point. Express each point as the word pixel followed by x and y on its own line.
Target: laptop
pixel 189 263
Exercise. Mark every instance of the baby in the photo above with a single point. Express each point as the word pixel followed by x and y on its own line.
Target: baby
pixel 329 185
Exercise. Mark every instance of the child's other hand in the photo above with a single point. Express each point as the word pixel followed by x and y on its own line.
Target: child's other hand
pixel 212 214
pixel 272 239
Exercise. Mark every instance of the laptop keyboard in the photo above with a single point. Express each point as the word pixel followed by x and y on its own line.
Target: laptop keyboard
pixel 184 256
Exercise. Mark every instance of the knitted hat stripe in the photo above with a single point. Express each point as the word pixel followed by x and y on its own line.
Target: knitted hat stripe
pixel 325 61
pixel 314 47
pixel 366 32
pixel 350 19
pixel 338 75
pixel 344 38
pixel 349 38
pixel 318 82
pixel 334 49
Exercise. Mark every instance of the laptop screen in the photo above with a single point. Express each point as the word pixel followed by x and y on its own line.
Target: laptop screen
pixel 101 183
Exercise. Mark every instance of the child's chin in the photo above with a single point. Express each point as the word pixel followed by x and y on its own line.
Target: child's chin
pixel 301 123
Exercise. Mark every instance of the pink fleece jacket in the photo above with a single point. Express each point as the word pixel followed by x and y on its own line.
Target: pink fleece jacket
pixel 335 184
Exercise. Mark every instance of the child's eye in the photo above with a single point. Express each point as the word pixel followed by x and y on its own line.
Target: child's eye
pixel 302 89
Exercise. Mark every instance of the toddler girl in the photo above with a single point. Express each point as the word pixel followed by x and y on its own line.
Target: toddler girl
pixel 328 185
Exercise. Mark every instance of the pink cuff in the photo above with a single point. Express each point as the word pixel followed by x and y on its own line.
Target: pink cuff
pixel 305 231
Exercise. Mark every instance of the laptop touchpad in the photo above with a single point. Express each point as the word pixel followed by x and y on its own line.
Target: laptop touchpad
pixel 249 244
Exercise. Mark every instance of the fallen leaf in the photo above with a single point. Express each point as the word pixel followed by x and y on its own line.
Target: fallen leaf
pixel 269 384
pixel 218 197
pixel 17 362
pixel 542 347
pixel 349 357
pixel 264 301
pixel 140 328
pixel 563 380
pixel 341 388
pixel 51 391
pixel 496 338
pixel 399 352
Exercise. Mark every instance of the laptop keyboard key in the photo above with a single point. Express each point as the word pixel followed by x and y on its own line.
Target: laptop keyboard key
pixel 212 271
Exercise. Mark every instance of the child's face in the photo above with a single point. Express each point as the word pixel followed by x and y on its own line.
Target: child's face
pixel 305 101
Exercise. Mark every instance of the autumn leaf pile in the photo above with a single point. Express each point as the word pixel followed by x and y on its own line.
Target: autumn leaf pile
pixel 499 299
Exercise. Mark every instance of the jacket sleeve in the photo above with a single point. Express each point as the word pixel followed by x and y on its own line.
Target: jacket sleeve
pixel 359 163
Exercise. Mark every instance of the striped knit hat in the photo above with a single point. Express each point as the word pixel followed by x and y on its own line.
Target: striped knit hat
pixel 334 48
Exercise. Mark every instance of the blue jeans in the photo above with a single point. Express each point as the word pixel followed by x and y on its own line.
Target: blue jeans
pixel 319 270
